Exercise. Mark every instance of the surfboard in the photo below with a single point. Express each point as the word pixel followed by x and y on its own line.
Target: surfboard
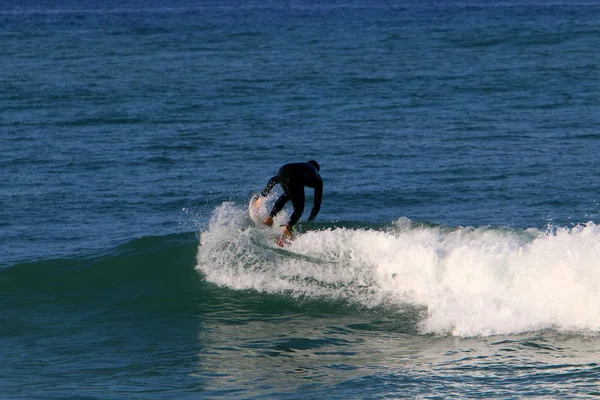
pixel 258 213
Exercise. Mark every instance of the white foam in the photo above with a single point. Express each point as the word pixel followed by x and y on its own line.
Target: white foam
pixel 472 281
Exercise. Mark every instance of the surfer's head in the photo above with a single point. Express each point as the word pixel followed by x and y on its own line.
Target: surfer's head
pixel 315 164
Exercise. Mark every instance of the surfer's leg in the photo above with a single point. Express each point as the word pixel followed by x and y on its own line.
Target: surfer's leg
pixel 276 208
pixel 279 204
pixel 296 194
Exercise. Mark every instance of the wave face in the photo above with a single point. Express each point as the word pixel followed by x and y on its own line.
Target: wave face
pixel 465 281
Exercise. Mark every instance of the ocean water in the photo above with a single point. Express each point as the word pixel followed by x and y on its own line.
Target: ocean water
pixel 457 250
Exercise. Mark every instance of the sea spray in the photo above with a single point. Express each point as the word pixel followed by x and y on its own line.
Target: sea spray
pixel 471 281
pixel 495 282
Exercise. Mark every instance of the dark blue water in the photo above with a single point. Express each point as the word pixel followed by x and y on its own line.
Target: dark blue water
pixel 456 251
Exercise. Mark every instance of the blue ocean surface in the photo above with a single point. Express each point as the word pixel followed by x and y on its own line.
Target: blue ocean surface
pixel 457 250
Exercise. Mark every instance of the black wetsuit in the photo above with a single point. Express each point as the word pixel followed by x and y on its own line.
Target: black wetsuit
pixel 293 178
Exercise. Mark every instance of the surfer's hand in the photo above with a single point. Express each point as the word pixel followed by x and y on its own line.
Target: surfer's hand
pixel 269 221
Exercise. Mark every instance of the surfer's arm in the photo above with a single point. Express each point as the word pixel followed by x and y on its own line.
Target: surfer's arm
pixel 317 203
pixel 272 182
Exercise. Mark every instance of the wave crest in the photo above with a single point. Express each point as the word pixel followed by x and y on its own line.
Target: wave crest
pixel 471 281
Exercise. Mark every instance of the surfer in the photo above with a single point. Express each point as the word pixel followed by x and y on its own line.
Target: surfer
pixel 293 178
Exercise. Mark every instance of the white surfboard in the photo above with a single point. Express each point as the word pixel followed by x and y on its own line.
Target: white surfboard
pixel 258 214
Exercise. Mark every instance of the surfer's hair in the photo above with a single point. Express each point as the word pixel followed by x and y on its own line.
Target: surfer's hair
pixel 315 164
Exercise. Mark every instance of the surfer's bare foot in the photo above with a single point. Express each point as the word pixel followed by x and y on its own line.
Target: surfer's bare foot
pixel 285 238
pixel 269 221
pixel 258 202
pixel 287 233
pixel 281 241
